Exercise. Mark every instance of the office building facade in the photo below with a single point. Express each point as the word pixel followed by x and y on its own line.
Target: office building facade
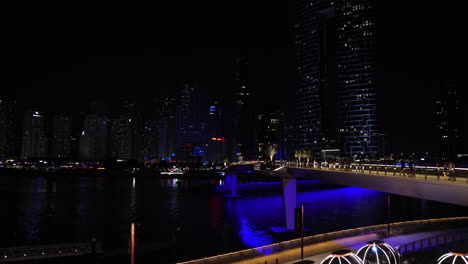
pixel 242 141
pixel 93 139
pixel 449 112
pixel 34 139
pixel 61 137
pixel 336 92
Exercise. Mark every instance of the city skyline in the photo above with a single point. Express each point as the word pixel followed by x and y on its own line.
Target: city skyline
pixel 418 51
pixel 193 132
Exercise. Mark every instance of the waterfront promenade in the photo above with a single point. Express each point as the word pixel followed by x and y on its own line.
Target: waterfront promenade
pixel 318 252
pixel 317 247
pixel 358 241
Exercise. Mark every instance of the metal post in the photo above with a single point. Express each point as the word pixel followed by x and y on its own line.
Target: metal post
pixel 302 230
pixel 388 214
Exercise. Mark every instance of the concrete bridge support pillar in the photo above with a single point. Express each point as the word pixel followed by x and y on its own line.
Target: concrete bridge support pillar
pixel 289 200
pixel 231 181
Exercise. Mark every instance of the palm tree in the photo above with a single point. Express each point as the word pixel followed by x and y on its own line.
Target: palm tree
pixel 271 151
pixel 298 155
pixel 308 153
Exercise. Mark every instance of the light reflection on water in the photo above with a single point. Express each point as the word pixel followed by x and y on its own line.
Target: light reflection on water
pixel 69 209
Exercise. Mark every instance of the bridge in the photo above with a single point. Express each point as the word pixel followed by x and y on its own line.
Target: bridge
pixel 423 182
pixel 27 253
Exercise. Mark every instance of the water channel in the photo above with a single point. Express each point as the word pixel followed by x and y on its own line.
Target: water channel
pixel 180 219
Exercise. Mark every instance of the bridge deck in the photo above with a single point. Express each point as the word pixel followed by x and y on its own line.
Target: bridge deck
pixel 429 185
pixel 429 174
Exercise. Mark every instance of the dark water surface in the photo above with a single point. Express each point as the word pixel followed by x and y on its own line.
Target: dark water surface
pixel 42 210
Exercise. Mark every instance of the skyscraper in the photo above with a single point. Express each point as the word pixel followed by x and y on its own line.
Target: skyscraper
pixel 8 129
pixel 61 137
pixel 127 132
pixel 215 147
pixel 448 117
pixel 271 134
pixel 166 116
pixel 150 140
pixel 93 139
pixel 34 139
pixel 190 123
pixel 242 141
pixel 120 145
pixel 336 54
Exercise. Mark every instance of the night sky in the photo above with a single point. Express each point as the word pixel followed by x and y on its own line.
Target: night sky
pixel 59 55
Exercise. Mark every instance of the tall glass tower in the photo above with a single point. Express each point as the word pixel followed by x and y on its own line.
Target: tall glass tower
pixel 336 55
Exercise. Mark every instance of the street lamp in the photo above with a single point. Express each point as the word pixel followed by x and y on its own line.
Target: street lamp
pixel 388 214
pixel 302 229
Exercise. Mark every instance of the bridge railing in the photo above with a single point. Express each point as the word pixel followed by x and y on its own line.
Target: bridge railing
pixel 420 172
pixel 431 242
pixel 396 229
pixel 48 251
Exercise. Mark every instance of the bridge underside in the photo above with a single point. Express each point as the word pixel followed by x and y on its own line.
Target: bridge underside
pixel 441 191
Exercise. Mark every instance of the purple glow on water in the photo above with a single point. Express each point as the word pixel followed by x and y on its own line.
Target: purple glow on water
pixel 72 209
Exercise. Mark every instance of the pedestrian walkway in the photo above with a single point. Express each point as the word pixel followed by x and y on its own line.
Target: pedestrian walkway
pixel 392 172
pixel 289 256
pixel 392 241
pixel 320 251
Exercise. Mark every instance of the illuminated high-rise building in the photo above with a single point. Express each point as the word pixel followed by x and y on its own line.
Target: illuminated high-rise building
pixel 8 129
pixel 150 140
pixel 336 92
pixel 190 123
pixel 120 147
pixel 126 138
pixel 242 141
pixel 34 139
pixel 93 138
pixel 166 116
pixel 449 112
pixel 61 137
pixel 215 146
pixel 271 135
